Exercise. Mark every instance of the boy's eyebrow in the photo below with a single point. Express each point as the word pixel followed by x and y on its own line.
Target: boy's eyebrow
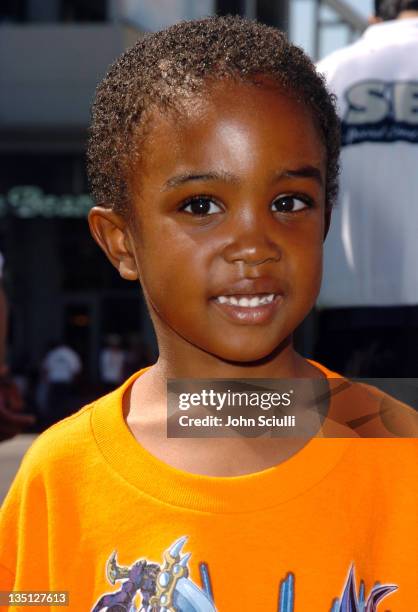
pixel 303 172
pixel 180 179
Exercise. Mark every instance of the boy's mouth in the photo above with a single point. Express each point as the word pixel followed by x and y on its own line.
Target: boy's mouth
pixel 249 309
pixel 249 301
pixel 246 301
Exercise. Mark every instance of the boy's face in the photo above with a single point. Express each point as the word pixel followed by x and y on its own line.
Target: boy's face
pixel 228 221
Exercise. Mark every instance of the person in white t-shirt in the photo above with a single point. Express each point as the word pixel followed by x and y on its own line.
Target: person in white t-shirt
pixel 368 322
pixel 60 369
pixel 61 364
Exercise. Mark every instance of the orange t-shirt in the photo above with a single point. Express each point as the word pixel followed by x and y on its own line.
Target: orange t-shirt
pixel 326 524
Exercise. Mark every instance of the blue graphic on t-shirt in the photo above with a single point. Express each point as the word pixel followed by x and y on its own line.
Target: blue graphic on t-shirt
pixel 349 602
pixel 167 587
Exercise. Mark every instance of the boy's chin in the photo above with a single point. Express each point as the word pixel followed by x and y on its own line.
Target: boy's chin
pixel 250 355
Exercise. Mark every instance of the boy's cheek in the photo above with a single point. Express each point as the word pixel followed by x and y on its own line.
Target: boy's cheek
pixel 305 276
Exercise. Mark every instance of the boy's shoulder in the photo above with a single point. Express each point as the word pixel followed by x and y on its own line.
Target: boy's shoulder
pixel 72 445
pixel 371 412
pixel 63 443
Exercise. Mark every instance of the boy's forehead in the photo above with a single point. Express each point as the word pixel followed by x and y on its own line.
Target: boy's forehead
pixel 246 132
pixel 220 98
pixel 230 124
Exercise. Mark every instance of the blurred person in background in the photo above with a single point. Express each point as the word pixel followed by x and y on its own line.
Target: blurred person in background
pixel 3 322
pixel 60 369
pixel 369 322
pixel 12 420
pixel 112 361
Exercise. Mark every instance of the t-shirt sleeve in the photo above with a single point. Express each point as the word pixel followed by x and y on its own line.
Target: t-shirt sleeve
pixel 24 530
pixel 6 580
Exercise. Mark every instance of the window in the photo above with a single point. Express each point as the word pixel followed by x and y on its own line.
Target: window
pixel 12 11
pixel 83 10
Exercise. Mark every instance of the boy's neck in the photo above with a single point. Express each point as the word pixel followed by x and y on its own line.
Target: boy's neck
pixel 145 410
pixel 285 362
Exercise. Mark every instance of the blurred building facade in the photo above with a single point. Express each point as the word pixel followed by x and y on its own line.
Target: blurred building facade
pixel 322 26
pixel 52 55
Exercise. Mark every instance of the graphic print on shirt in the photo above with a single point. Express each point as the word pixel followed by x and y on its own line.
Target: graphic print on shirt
pixel 165 588
pixel 168 588
pixel 349 602
pixel 380 111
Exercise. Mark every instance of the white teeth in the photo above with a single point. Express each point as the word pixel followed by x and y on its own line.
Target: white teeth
pixel 245 302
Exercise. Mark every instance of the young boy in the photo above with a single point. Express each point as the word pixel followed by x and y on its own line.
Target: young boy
pixel 213 160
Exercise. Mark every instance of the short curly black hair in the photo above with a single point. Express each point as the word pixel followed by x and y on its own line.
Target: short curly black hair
pixel 165 68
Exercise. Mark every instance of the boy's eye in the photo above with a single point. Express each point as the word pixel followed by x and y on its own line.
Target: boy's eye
pixel 290 203
pixel 201 206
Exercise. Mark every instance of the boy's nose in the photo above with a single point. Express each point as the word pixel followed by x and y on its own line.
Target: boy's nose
pixel 252 247
pixel 252 255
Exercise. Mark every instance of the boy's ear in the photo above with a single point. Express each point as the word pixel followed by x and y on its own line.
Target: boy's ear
pixel 109 230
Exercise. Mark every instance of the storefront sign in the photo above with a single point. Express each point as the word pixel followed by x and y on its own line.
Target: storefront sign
pixel 29 201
